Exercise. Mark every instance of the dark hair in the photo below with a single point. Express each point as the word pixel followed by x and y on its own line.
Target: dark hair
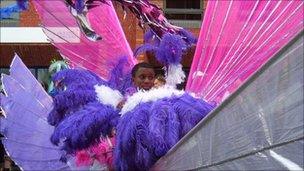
pixel 140 65
pixel 161 78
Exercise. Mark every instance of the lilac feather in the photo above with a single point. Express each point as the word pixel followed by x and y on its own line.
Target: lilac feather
pixel 188 37
pixel 171 49
pixel 151 38
pixel 85 127
pixel 22 4
pixel 149 131
pixel 199 109
pixel 79 5
pixel 145 48
pixel 76 89
pixel 120 78
pixel 74 77
pixel 68 102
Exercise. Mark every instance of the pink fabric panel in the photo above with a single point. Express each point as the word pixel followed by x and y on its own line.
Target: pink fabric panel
pixel 100 56
pixel 236 39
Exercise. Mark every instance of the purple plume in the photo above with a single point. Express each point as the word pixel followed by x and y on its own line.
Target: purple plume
pixel 188 37
pixel 22 4
pixel 68 102
pixel 71 78
pixel 145 48
pixel 120 78
pixel 79 5
pixel 151 38
pixel 151 129
pixel 132 139
pixel 185 105
pixel 85 127
pixel 79 118
pixel 74 89
pixel 171 49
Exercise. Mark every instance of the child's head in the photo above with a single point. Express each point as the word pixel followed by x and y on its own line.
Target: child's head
pixel 143 76
pixel 159 81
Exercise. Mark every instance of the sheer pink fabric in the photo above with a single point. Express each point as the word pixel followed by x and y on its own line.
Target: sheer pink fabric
pixel 237 38
pixel 100 56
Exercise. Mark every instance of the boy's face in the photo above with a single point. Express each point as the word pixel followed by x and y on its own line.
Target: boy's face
pixel 144 78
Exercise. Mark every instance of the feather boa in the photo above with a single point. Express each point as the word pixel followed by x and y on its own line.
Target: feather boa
pixel 149 96
pixel 108 96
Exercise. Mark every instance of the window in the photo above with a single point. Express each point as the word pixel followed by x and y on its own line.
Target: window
pixel 184 13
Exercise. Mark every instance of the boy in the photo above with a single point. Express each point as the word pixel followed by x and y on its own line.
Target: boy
pixel 143 77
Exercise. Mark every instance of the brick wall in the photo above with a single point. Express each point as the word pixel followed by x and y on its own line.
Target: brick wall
pixel 29 18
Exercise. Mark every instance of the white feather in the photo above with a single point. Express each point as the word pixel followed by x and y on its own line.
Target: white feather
pixel 108 96
pixel 149 96
pixel 175 74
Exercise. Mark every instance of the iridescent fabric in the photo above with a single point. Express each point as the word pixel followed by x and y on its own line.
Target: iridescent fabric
pixel 98 56
pixel 236 39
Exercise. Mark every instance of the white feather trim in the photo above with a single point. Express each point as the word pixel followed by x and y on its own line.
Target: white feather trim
pixel 108 96
pixel 175 75
pixel 149 96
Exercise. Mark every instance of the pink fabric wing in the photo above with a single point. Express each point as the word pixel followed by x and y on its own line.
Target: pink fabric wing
pixel 236 39
pixel 98 56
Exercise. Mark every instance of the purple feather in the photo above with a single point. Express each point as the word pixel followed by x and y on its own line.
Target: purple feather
pixel 188 37
pixel 79 5
pixel 149 131
pixel 68 102
pixel 171 49
pixel 130 149
pixel 163 127
pixel 75 88
pixel 145 48
pixel 22 4
pixel 151 38
pixel 120 79
pixel 73 77
pixel 85 127
pixel 79 119
pixel 185 105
